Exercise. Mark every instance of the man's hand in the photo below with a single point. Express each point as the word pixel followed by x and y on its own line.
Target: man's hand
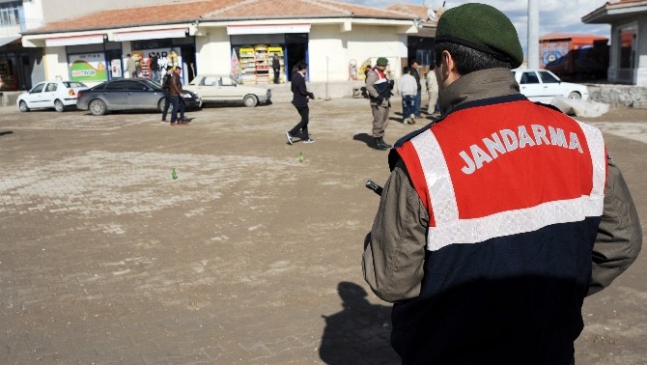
pixel 311 95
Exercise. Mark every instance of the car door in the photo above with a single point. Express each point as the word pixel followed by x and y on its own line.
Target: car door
pixel 552 85
pixel 35 97
pixel 49 94
pixel 140 96
pixel 229 90
pixel 208 88
pixel 114 95
pixel 530 85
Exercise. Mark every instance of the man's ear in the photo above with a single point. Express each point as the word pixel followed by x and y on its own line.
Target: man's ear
pixel 448 70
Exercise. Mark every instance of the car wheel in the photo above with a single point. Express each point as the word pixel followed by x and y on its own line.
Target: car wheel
pixel 250 101
pixel 97 107
pixel 23 106
pixel 575 95
pixel 160 106
pixel 59 106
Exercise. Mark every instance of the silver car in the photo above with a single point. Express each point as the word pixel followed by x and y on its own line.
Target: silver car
pixel 129 94
pixel 222 89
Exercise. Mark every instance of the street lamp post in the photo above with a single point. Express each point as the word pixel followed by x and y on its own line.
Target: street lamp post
pixel 533 34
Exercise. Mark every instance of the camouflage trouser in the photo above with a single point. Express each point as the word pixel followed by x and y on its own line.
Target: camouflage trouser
pixel 380 120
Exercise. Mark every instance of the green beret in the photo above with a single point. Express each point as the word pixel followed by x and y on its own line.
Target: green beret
pixel 382 61
pixel 483 28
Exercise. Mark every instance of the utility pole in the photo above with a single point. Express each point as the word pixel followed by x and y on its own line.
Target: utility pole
pixel 533 34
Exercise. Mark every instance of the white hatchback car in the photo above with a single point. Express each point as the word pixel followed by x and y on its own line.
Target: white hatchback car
pixel 51 94
pixel 543 85
pixel 222 89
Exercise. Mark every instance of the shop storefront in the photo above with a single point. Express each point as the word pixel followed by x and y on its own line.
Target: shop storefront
pixel 17 65
pixel 167 52
pixel 253 48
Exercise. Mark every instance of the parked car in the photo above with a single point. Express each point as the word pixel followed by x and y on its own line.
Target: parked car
pixel 129 94
pixel 222 89
pixel 57 95
pixel 543 86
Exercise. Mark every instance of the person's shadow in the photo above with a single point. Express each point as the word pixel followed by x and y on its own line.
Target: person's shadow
pixel 359 333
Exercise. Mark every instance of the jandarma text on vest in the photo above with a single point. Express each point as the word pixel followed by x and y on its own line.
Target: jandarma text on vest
pixel 507 140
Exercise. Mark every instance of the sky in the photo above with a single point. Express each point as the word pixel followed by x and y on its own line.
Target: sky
pixel 555 16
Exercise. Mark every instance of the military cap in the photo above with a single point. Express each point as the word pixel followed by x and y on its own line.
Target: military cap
pixel 382 61
pixel 483 28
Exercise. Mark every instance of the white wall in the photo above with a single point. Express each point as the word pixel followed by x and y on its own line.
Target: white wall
pixel 213 52
pixel 55 63
pixel 329 44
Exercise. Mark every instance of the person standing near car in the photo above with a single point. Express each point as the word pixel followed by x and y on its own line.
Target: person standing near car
pixel 166 87
pixel 176 99
pixel 130 67
pixel 276 67
pixel 154 66
pixel 300 98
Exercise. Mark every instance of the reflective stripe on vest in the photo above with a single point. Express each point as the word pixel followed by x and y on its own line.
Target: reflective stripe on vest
pixel 433 178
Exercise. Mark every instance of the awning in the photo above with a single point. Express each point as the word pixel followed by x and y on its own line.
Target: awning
pixel 7 40
pixel 268 29
pixel 150 34
pixel 74 41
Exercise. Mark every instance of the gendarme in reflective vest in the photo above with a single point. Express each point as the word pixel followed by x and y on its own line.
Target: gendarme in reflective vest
pixel 515 193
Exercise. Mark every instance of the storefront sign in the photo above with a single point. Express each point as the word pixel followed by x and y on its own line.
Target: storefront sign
pixel 88 67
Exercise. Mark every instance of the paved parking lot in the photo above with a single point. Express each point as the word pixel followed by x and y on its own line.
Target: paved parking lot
pixel 248 257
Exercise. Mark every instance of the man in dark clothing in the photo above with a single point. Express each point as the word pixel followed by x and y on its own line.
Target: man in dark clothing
pixel 166 86
pixel 276 67
pixel 154 66
pixel 300 98
pixel 500 218
pixel 418 99
pixel 176 99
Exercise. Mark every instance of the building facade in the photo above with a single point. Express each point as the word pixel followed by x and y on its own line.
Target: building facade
pixel 236 38
pixel 628 54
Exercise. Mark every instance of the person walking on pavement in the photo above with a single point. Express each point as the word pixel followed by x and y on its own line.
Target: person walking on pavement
pixel 176 99
pixel 407 88
pixel 379 91
pixel 300 98
pixel 432 90
pixel 166 87
pixel 276 67
pixel 498 220
pixel 418 100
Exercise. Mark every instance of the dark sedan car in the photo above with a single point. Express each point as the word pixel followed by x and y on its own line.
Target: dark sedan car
pixel 129 94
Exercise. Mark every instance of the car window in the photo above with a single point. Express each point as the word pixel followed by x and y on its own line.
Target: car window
pixel 38 88
pixel 548 78
pixel 529 78
pixel 51 87
pixel 227 82
pixel 135 86
pixel 115 86
pixel 210 81
pixel 99 87
pixel 73 84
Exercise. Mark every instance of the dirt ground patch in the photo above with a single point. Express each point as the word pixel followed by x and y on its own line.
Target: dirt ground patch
pixel 250 256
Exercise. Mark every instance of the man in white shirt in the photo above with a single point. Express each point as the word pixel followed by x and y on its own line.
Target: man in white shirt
pixel 408 88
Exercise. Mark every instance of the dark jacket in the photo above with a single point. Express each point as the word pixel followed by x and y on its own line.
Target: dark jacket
pixel 416 76
pixel 299 91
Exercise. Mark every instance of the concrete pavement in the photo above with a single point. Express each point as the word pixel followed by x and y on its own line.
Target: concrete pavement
pixel 248 257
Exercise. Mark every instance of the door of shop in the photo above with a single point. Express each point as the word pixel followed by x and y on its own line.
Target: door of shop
pixel 296 45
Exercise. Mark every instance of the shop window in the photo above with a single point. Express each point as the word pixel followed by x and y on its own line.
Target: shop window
pixel 9 14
